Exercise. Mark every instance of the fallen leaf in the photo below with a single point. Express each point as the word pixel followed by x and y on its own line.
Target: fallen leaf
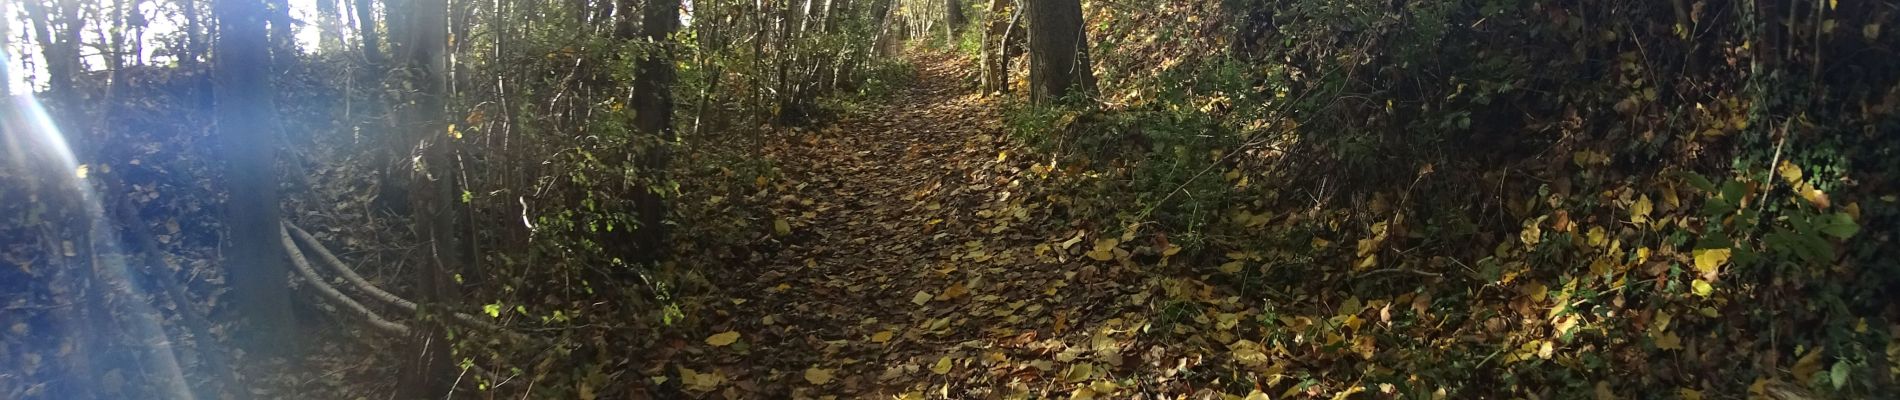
pixel 1709 261
pixel 817 376
pixel 1809 364
pixel 1702 288
pixel 941 367
pixel 722 339
pixel 921 298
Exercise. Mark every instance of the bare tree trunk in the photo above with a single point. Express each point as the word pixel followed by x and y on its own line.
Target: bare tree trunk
pixel 953 20
pixel 6 50
pixel 995 58
pixel 194 33
pixel 427 374
pixel 112 24
pixel 391 159
pixel 366 30
pixel 881 20
pixel 62 58
pixel 247 126
pixel 653 118
pixel 283 42
pixel 1058 51
pixel 135 23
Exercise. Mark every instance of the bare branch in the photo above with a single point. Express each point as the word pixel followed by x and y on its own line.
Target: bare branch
pixel 310 275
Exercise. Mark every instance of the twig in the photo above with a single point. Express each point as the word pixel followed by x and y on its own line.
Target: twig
pixel 1396 270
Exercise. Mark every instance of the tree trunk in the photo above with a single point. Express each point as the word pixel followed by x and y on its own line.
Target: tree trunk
pixel 283 40
pixel 882 22
pixel 626 23
pixel 953 20
pixel 6 48
pixel 653 118
pixel 429 372
pixel 366 31
pixel 136 23
pixel 996 45
pixel 62 57
pixel 392 158
pixel 248 128
pixel 194 33
pixel 1058 51
pixel 113 26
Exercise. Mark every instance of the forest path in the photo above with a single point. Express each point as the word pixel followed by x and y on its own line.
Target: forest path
pixel 918 263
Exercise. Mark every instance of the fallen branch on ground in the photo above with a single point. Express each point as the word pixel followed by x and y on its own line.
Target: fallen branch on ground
pixel 379 294
pixel 310 275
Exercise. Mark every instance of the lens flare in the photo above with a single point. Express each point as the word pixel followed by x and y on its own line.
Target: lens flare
pixel 120 338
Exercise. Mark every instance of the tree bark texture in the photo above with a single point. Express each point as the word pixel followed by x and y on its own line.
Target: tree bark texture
pixel 247 126
pixel 653 118
pixel 429 370
pixel 1058 51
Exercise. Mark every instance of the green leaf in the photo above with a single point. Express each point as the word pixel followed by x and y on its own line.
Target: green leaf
pixel 1839 225
pixel 1838 374
pixel 1698 181
pixel 1734 190
pixel 493 310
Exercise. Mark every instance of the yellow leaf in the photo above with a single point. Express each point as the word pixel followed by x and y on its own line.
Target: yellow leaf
pixel 1789 172
pixel 1639 213
pixel 1702 288
pixel 1668 341
pixel 1533 232
pixel 1689 394
pixel 1084 393
pixel 1597 236
pixel 1709 261
pixel 1600 267
pixel 921 297
pixel 817 376
pixel 941 367
pixel 1171 250
pixel 1808 365
pixel 722 339
pixel 1814 196
pixel 1536 291
pixel 1079 372
pixel 782 227
pixel 881 337
pixel 1257 395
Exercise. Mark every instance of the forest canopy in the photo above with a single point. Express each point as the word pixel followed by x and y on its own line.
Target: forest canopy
pixel 1207 199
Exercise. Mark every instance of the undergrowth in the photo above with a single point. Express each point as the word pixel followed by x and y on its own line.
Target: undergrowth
pixel 1484 197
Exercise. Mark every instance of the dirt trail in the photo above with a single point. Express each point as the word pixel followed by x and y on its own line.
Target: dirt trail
pixel 912 268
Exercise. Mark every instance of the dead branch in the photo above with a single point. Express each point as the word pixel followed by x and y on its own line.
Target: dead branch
pixel 363 285
pixel 324 288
